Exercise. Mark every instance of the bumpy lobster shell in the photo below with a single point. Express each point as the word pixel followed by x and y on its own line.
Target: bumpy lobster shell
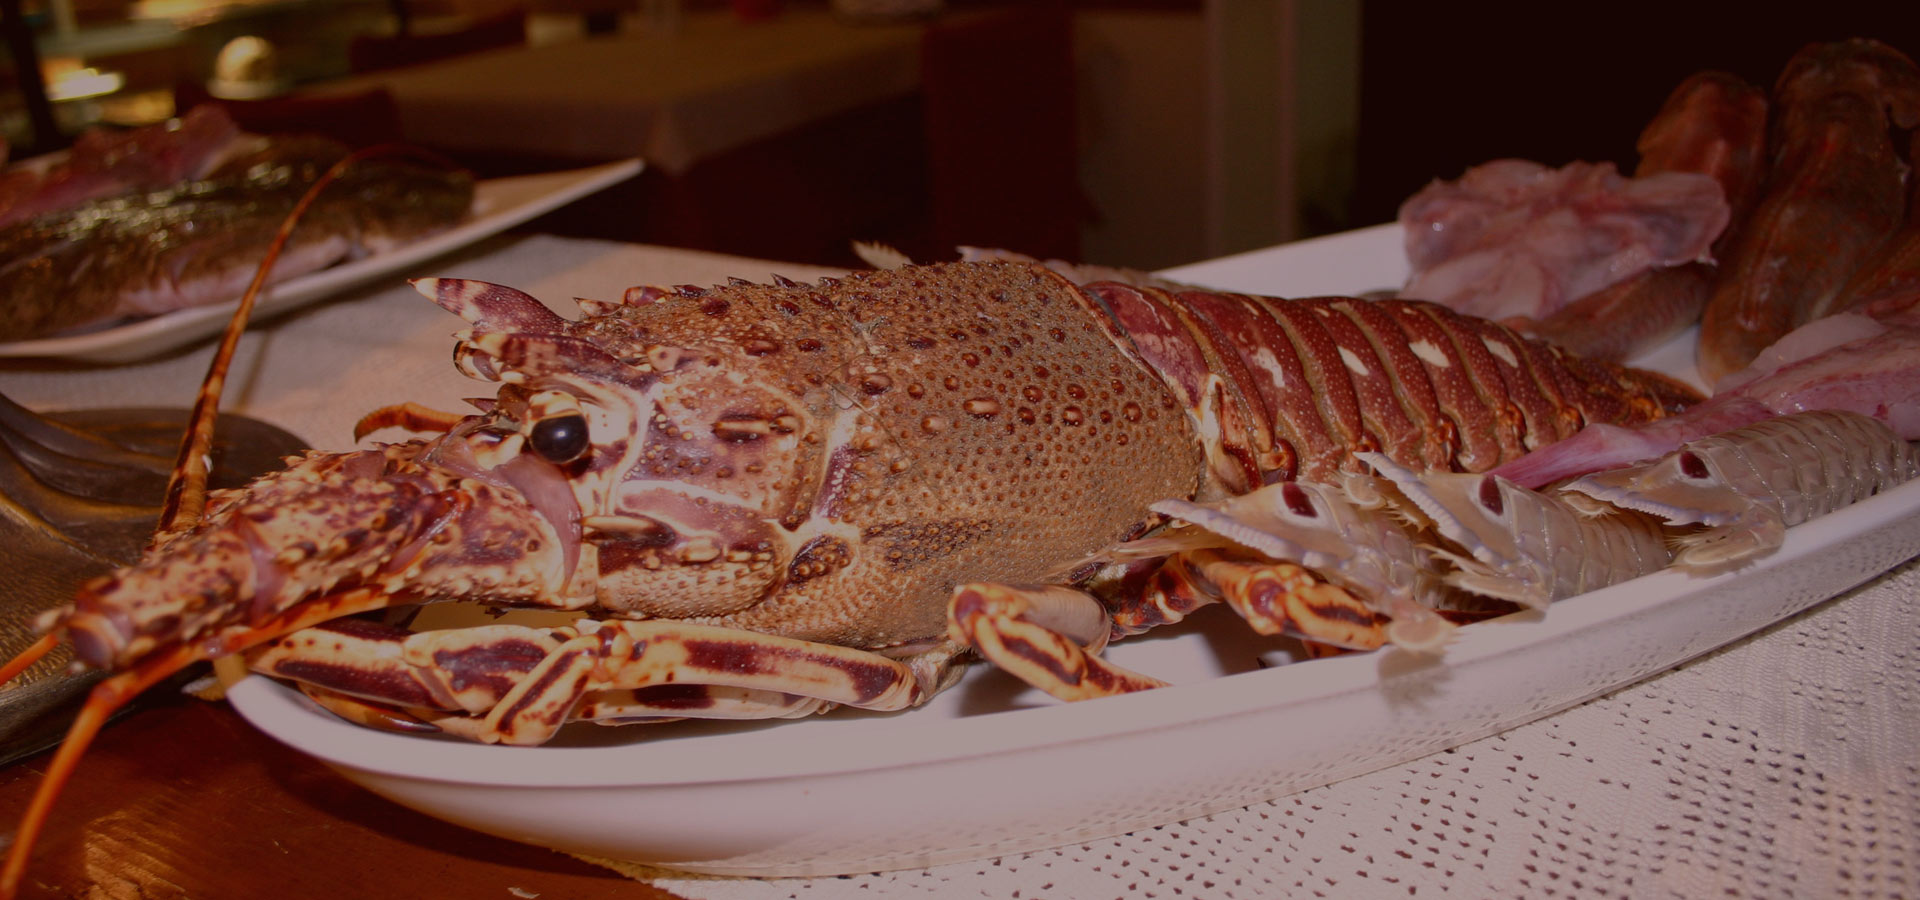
pixel 827 462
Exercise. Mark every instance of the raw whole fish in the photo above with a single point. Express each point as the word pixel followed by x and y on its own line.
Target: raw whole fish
pixel 1890 283
pixel 1836 193
pixel 200 241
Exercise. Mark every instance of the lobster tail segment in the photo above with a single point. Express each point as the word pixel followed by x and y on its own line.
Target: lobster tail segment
pixel 1289 389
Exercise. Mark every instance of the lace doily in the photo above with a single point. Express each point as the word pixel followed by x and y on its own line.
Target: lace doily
pixel 1783 765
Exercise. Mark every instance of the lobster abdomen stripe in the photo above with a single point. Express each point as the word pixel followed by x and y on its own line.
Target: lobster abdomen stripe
pixel 1289 389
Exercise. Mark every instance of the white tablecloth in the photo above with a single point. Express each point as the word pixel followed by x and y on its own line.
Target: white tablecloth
pixel 1784 765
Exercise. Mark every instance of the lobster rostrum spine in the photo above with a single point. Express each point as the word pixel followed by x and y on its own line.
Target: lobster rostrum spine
pixel 826 463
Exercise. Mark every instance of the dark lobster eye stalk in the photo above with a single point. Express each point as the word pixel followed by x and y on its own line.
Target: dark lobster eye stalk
pixel 560 439
pixel 556 427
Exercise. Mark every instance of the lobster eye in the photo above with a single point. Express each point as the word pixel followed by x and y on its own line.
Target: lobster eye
pixel 559 439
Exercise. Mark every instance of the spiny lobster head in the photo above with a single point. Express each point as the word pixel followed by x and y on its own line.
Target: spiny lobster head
pixel 651 456
pixel 818 461
pixel 827 461
pixel 688 424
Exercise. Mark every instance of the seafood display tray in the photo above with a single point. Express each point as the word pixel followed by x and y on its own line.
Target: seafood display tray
pixel 498 204
pixel 991 768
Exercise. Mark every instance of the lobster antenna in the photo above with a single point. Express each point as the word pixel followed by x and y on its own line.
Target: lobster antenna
pixel 184 503
pixel 28 657
pixel 186 495
pixel 113 693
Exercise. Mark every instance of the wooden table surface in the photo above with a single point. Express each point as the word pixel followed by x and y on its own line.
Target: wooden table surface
pixel 182 798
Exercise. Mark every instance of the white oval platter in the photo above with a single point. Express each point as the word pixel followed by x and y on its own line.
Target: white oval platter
pixel 991 768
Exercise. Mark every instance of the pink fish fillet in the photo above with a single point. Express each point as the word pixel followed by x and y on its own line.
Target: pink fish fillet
pixel 1516 238
pixel 1713 124
pixel 105 164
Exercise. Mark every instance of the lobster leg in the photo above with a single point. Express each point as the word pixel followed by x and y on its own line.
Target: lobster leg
pixel 466 670
pixel 1046 636
pixel 1050 636
pixel 660 703
pixel 1274 597
pixel 667 702
pixel 626 654
pixel 517 685
pixel 410 416
pixel 1277 598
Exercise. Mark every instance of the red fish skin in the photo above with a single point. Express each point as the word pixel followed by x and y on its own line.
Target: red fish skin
pixel 1713 123
pixel 105 164
pixel 1834 195
pixel 1619 322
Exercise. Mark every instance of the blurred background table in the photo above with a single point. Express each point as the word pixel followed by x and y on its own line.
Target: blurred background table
pixel 784 137
pixel 673 96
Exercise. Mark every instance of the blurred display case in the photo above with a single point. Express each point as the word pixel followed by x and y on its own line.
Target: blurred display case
pixel 116 62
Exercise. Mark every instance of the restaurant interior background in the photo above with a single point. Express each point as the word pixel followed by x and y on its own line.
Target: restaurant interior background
pixel 1146 133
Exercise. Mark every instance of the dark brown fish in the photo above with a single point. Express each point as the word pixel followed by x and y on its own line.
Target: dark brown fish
pixel 1834 195
pixel 1889 285
pixel 199 242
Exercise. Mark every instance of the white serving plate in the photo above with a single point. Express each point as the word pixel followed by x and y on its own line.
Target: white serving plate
pixel 498 204
pixel 992 768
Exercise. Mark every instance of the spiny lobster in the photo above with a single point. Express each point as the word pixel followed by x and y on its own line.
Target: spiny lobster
pixel 776 498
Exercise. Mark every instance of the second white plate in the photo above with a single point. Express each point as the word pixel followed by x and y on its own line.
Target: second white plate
pixel 498 204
